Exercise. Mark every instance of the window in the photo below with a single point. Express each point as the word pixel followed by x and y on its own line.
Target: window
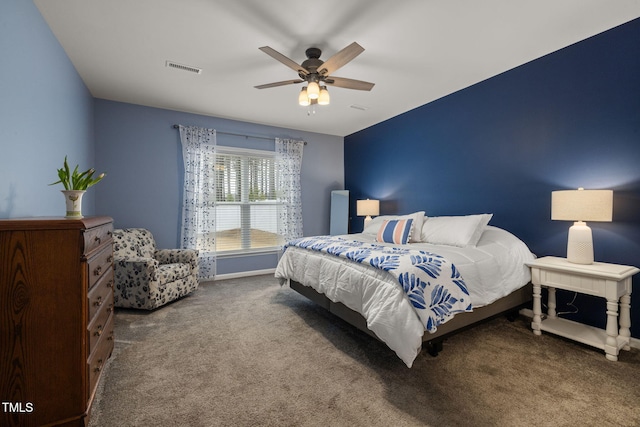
pixel 246 205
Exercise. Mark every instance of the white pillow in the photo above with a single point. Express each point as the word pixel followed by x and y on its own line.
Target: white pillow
pixel 417 217
pixel 454 230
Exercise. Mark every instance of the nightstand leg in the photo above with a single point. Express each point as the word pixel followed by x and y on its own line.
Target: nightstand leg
pixel 537 310
pixel 551 303
pixel 611 345
pixel 625 319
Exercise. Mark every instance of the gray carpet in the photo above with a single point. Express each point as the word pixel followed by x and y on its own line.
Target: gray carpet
pixel 247 352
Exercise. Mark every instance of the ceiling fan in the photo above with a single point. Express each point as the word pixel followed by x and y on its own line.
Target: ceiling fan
pixel 318 73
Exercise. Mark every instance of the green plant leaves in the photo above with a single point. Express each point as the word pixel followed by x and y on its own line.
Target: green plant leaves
pixel 77 180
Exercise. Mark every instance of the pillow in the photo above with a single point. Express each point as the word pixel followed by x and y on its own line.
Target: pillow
pixel 418 218
pixel 395 231
pixel 454 230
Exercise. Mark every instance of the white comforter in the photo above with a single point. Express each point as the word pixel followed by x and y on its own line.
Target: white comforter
pixel 494 268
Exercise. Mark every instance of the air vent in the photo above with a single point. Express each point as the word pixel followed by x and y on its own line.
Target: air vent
pixel 183 67
pixel 359 107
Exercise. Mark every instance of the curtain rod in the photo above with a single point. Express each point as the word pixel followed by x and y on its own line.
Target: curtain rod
pixel 239 134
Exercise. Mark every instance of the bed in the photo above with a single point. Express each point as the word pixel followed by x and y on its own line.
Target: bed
pixel 467 271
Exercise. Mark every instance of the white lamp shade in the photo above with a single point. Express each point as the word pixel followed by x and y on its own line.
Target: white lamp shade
pixel 303 99
pixel 323 98
pixel 313 90
pixel 582 205
pixel 368 207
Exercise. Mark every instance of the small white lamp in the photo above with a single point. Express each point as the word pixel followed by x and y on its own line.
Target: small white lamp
pixel 581 205
pixel 368 208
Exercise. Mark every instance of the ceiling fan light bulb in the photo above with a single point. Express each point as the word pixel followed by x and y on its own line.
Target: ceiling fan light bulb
pixel 324 98
pixel 313 90
pixel 303 99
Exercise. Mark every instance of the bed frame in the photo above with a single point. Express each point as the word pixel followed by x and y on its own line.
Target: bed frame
pixel 509 305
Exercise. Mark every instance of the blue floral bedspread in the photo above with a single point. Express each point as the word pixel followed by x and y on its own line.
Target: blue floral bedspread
pixel 433 284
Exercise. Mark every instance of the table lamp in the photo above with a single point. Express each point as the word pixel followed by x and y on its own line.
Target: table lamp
pixel 581 205
pixel 368 208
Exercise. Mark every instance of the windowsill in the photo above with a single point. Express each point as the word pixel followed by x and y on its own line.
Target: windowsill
pixel 253 252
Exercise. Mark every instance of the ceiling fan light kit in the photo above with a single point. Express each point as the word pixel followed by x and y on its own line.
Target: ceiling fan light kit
pixel 324 98
pixel 317 74
pixel 313 90
pixel 303 99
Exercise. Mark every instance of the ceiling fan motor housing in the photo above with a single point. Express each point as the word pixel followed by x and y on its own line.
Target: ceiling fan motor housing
pixel 312 64
pixel 313 52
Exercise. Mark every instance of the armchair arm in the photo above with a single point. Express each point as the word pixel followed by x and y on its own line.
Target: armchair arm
pixel 170 256
pixel 143 270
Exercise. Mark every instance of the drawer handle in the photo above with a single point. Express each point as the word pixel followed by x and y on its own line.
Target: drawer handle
pixel 99 331
pixel 110 284
pixel 99 366
pixel 110 309
pixel 98 302
pixel 97 271
pixel 97 239
pixel 110 258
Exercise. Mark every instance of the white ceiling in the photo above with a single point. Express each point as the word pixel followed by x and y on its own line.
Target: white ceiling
pixel 416 51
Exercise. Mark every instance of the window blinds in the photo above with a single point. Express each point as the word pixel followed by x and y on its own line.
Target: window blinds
pixel 246 207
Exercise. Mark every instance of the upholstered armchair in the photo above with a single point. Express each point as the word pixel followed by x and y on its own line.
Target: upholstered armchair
pixel 146 277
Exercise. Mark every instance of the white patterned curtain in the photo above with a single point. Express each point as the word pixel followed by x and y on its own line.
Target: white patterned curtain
pixel 198 206
pixel 288 167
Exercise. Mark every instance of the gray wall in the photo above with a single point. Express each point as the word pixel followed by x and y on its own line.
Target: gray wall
pixel 140 151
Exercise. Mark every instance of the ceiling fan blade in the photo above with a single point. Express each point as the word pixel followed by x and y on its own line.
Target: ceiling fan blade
pixel 286 61
pixel 349 83
pixel 341 58
pixel 285 82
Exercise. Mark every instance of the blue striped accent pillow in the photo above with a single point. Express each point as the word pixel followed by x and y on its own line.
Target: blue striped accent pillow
pixel 395 231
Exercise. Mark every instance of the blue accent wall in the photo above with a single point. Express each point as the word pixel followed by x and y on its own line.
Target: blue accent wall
pixel 141 152
pixel 46 112
pixel 567 120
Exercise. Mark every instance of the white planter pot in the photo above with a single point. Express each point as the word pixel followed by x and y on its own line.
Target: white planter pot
pixel 73 199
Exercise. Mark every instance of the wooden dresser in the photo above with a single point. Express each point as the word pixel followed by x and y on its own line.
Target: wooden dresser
pixel 56 318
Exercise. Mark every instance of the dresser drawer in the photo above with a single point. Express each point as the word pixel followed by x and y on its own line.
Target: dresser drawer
pixel 99 293
pixel 96 236
pixel 98 325
pixel 100 264
pixel 99 356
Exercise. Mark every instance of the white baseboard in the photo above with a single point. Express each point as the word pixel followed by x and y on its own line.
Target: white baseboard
pixel 633 342
pixel 244 274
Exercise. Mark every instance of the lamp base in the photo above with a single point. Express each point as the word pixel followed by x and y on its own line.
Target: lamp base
pixel 580 244
pixel 367 220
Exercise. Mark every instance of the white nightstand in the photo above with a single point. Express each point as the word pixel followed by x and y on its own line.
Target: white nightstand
pixel 610 281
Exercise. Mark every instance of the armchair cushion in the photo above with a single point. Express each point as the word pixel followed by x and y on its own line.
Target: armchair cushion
pixel 168 273
pixel 148 278
pixel 178 256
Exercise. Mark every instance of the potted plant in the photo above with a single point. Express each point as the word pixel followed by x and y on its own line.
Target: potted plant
pixel 75 184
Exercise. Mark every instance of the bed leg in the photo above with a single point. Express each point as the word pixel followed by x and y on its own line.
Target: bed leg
pixel 433 347
pixel 512 316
